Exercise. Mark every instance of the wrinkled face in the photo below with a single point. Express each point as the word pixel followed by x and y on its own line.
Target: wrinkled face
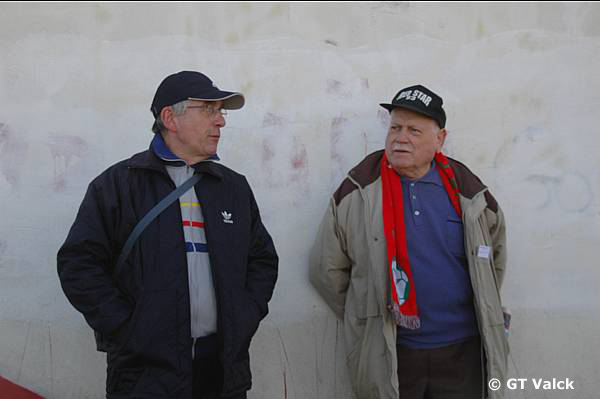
pixel 198 129
pixel 412 141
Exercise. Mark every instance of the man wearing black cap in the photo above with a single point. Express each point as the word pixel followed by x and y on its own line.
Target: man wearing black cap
pixel 411 254
pixel 175 306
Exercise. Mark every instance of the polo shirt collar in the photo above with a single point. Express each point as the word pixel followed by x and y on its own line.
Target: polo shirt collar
pixel 432 176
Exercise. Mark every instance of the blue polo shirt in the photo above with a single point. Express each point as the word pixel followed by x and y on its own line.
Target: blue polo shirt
pixel 434 235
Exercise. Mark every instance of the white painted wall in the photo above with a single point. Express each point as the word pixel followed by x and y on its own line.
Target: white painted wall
pixel 521 84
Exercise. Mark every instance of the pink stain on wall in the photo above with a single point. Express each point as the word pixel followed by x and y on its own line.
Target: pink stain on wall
pixel 299 176
pixel 267 162
pixel 267 152
pixel 299 161
pixel 337 129
pixel 338 166
pixel 272 124
pixel 13 151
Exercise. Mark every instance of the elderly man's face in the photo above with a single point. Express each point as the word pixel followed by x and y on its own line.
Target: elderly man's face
pixel 199 128
pixel 412 142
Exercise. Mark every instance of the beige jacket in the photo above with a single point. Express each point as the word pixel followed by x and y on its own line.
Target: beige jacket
pixel 348 267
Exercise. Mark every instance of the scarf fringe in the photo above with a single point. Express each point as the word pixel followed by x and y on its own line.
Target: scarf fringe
pixel 410 322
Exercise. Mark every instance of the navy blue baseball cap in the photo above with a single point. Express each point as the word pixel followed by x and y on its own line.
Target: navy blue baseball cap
pixel 190 85
pixel 421 100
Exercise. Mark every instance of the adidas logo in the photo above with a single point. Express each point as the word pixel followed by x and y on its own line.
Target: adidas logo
pixel 226 217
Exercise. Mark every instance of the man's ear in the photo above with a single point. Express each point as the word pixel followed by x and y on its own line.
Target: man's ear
pixel 441 136
pixel 168 118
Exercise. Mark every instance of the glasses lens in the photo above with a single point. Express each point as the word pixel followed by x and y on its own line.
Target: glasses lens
pixel 211 111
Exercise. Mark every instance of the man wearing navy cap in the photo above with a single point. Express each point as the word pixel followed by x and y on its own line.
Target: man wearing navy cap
pixel 411 254
pixel 176 317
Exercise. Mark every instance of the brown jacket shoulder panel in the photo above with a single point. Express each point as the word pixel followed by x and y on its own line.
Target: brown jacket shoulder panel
pixel 345 188
pixel 469 184
pixel 365 173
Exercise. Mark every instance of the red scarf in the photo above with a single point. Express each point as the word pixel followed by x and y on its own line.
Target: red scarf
pixel 404 303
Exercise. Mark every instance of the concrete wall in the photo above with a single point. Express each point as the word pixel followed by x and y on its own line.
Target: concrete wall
pixel 521 87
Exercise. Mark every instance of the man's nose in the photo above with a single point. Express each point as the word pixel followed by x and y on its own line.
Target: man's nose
pixel 402 135
pixel 220 120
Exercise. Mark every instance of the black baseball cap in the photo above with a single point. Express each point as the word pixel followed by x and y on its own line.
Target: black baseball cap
pixel 190 85
pixel 422 100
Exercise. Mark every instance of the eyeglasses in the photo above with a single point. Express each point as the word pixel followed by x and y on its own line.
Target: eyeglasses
pixel 210 111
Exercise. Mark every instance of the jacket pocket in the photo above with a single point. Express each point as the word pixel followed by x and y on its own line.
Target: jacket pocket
pixel 352 360
pixel 153 328
pixel 365 353
pixel 497 349
pixel 143 382
pixel 125 380
pixel 247 321
pixel 149 338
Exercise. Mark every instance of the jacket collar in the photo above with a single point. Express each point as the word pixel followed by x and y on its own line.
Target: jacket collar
pixel 163 152
pixel 368 171
pixel 158 156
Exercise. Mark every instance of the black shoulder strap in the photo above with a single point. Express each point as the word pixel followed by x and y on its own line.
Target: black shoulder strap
pixel 152 214
pixel 101 344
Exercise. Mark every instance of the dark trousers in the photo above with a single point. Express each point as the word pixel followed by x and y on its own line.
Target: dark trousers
pixel 207 370
pixel 451 372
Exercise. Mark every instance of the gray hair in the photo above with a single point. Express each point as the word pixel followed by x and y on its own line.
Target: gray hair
pixel 178 109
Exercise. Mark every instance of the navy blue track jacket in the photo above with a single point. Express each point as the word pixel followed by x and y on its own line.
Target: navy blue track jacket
pixel 142 310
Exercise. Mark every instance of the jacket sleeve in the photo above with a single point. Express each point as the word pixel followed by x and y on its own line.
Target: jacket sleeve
pixel 329 267
pixel 497 230
pixel 84 262
pixel 263 262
